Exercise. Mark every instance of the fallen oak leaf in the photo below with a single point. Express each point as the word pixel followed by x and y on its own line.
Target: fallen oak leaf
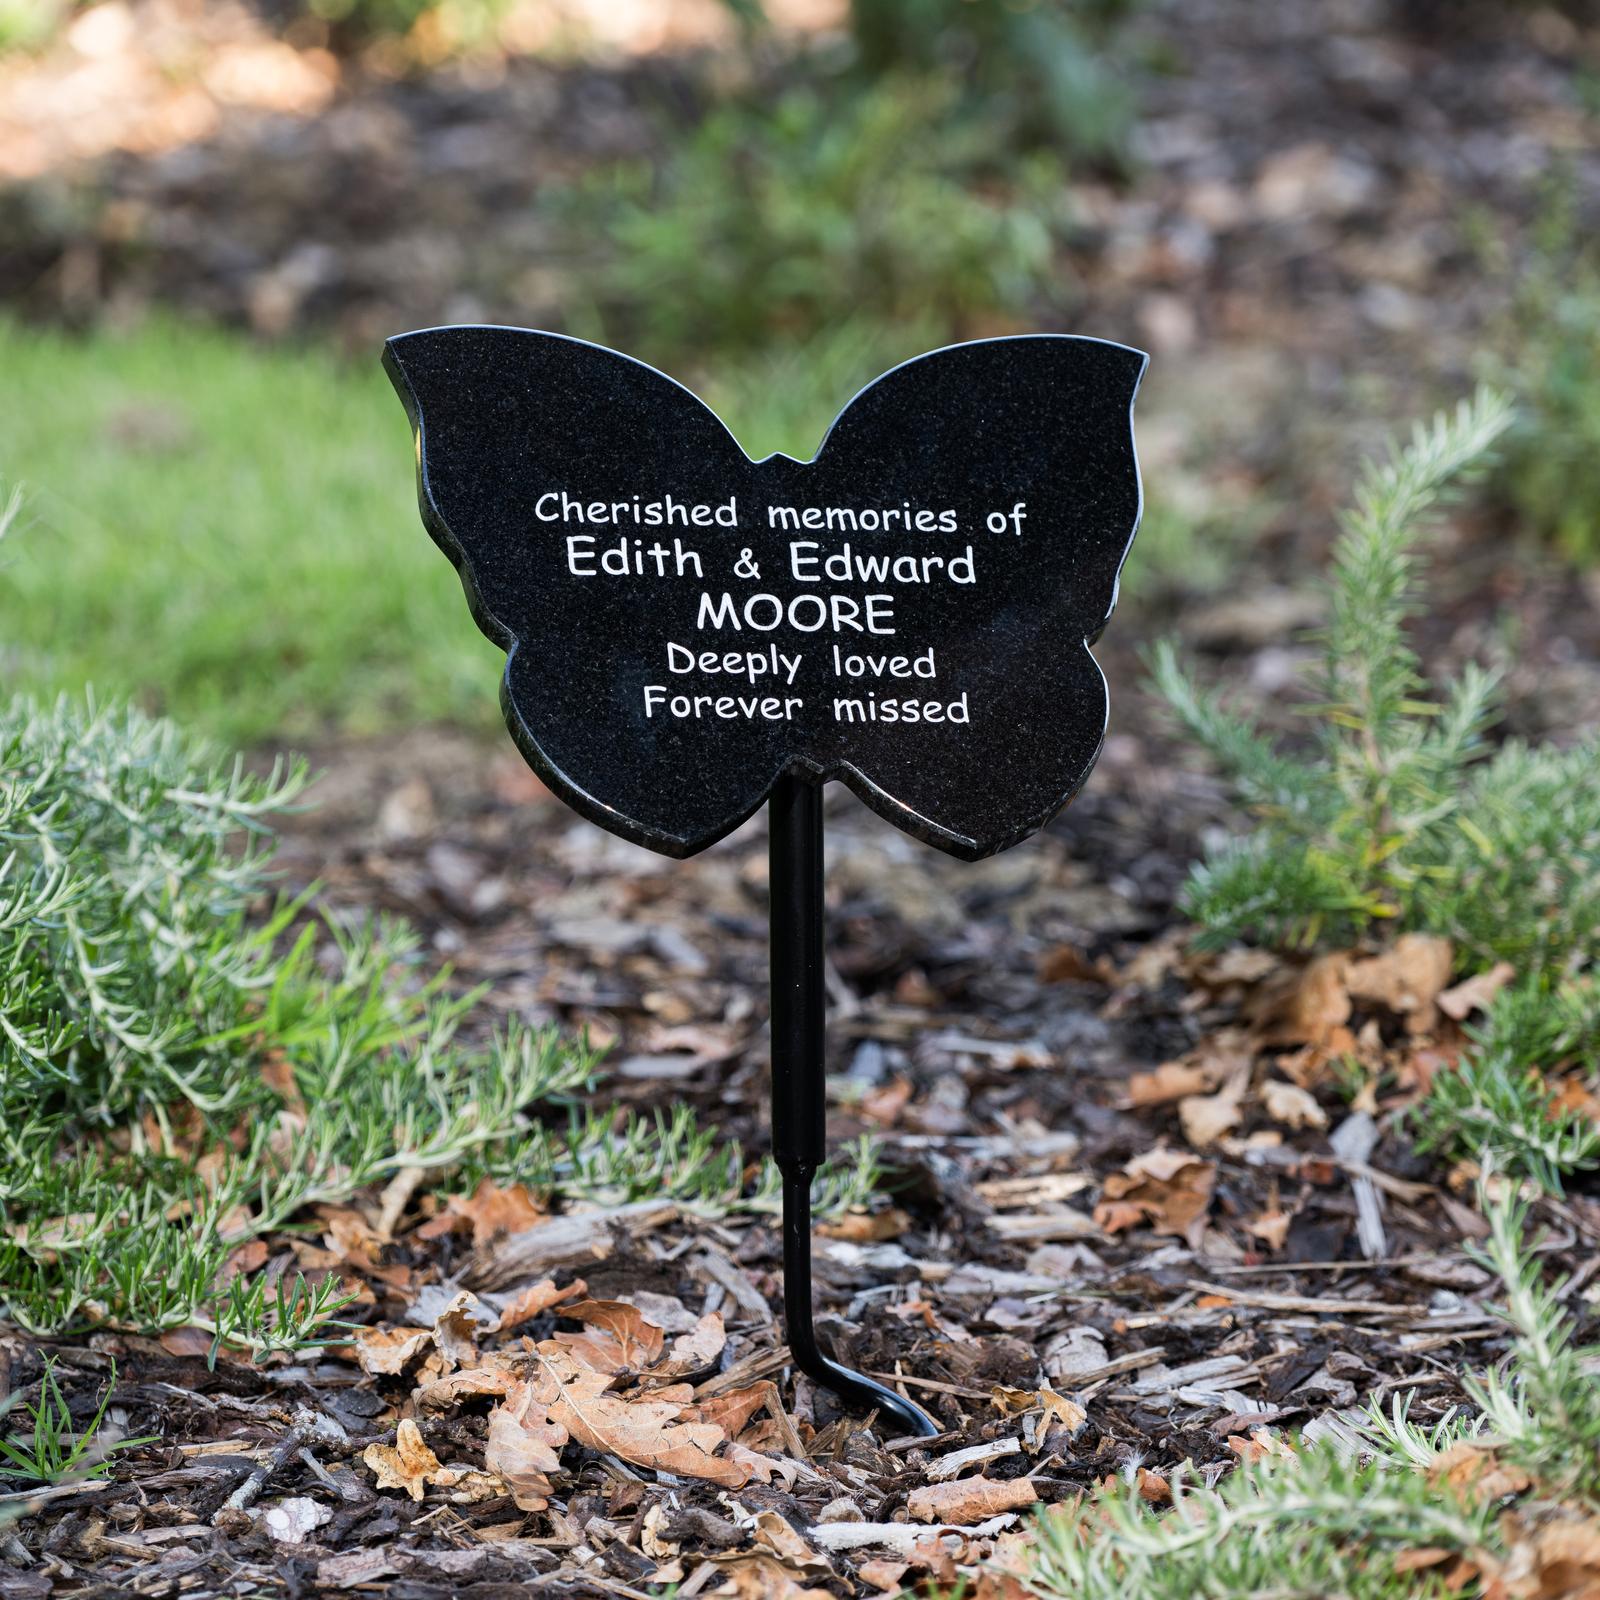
pixel 755 1575
pixel 762 1467
pixel 456 1328
pixel 884 1574
pixel 867 1227
pixel 1475 993
pixel 526 1304
pixel 627 1338
pixel 648 1433
pixel 406 1464
pixel 387 1352
pixel 969 1500
pixel 1206 1118
pixel 1172 1080
pixel 486 1214
pixel 1316 1003
pixel 1475 1471
pixel 1169 1189
pixel 1291 1105
pixel 524 1447
pixel 1271 1228
pixel 694 1351
pixel 1407 978
pixel 493 1377
pixel 773 1532
pixel 732 1411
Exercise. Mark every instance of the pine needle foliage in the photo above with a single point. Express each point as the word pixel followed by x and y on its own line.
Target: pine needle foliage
pixel 1325 1519
pixel 179 1074
pixel 1389 814
pixel 1498 1105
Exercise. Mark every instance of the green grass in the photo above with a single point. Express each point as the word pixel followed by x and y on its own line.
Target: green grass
pixel 226 533
pixel 54 1450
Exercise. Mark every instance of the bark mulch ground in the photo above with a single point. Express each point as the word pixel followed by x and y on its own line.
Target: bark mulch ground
pixel 1136 1210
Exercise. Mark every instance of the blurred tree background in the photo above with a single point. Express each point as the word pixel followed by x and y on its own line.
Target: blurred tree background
pixel 212 214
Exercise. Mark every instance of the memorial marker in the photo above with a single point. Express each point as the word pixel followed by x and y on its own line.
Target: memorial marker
pixel 690 633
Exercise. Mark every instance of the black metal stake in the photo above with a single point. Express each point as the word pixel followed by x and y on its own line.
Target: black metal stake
pixel 799 1131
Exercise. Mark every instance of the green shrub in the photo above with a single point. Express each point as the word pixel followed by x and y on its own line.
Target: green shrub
pixel 1498 1106
pixel 1390 815
pixel 27 24
pixel 1550 360
pixel 354 22
pixel 176 1078
pixel 1043 68
pixel 1040 71
pixel 787 219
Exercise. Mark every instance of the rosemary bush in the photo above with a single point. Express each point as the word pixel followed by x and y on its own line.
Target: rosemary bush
pixel 1549 358
pixel 1323 1519
pixel 1497 1105
pixel 1392 814
pixel 177 1077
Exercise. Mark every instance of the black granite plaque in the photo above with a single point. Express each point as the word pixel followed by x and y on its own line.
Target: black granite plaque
pixel 911 611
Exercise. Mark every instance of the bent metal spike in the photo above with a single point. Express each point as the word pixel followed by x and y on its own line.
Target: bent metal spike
pixel 690 633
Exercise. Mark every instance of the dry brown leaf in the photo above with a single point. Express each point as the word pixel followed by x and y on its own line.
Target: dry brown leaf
pixel 1172 1080
pixel 652 1537
pixel 1316 1004
pixel 693 1351
pixel 527 1303
pixel 1475 993
pixel 635 1340
pixel 1271 1228
pixel 867 1227
pixel 1291 1105
pixel 1568 1555
pixel 456 1329
pixel 387 1352
pixel 732 1411
pixel 1206 1118
pixel 1261 1445
pixel 762 1467
pixel 406 1464
pixel 1067 964
pixel 1239 966
pixel 1309 1065
pixel 1154 1488
pixel 351 1237
pixel 1425 1556
pixel 649 1433
pixel 187 1342
pixel 773 1532
pixel 1058 1408
pixel 1169 1189
pixel 487 1214
pixel 755 1575
pixel 1574 1097
pixel 1475 1470
pixel 1407 978
pixel 441 1393
pixel 970 1499
pixel 884 1574
pixel 524 1447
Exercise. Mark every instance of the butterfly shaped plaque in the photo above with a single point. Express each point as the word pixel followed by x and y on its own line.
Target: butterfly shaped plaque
pixel 911 611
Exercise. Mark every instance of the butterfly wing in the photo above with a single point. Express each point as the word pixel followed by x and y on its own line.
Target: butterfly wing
pixel 1030 441
pixel 504 418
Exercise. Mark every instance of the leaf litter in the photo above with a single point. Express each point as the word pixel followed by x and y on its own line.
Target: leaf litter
pixel 1151 1259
